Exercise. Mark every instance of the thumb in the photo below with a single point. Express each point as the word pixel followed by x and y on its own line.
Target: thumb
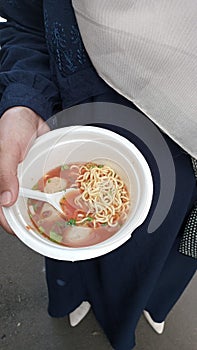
pixel 9 159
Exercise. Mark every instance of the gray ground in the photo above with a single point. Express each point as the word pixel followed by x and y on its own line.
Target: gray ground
pixel 25 324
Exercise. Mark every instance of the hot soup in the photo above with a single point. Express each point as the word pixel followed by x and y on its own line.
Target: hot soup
pixel 94 210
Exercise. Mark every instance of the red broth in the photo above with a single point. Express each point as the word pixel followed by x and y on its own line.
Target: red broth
pixel 62 229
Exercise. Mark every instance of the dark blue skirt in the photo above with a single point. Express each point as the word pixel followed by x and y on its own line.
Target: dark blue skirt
pixel 147 272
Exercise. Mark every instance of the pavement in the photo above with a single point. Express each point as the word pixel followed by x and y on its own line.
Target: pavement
pixel 25 324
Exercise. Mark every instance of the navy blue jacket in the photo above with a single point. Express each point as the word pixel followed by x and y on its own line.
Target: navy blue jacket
pixel 44 65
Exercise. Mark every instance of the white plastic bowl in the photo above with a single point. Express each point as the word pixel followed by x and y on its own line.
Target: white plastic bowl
pixel 82 144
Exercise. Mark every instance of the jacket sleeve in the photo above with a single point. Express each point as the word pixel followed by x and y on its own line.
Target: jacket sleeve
pixel 25 78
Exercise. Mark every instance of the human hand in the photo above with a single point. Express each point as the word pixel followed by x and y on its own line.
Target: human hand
pixel 19 127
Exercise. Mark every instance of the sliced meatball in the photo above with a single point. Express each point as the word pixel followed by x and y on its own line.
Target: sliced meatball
pixel 55 184
pixel 76 234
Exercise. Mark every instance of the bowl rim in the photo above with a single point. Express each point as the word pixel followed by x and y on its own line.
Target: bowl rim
pixel 59 252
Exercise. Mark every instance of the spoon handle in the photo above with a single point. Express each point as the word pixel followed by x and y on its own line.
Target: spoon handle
pixel 26 192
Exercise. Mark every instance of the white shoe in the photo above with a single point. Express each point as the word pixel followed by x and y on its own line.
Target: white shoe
pixel 76 316
pixel 157 326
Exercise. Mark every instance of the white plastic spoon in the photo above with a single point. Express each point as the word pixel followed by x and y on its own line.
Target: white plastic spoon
pixel 51 198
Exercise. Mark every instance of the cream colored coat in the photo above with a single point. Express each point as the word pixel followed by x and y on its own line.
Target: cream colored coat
pixel 147 51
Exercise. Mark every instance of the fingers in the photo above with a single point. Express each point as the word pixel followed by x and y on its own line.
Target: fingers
pixel 9 159
pixel 4 223
pixel 19 127
pixel 43 128
pixel 8 180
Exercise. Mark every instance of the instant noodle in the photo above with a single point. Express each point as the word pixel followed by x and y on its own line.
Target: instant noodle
pixel 94 211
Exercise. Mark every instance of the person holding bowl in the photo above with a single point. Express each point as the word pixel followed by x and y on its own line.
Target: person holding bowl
pixel 45 68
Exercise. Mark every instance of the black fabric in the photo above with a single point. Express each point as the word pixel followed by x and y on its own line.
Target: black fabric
pixel 136 276
pixel 188 245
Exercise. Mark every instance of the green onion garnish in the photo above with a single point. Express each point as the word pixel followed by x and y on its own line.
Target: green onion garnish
pixel 71 222
pixel 55 237
pixel 64 167
pixel 35 187
pixel 89 218
pixel 41 229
